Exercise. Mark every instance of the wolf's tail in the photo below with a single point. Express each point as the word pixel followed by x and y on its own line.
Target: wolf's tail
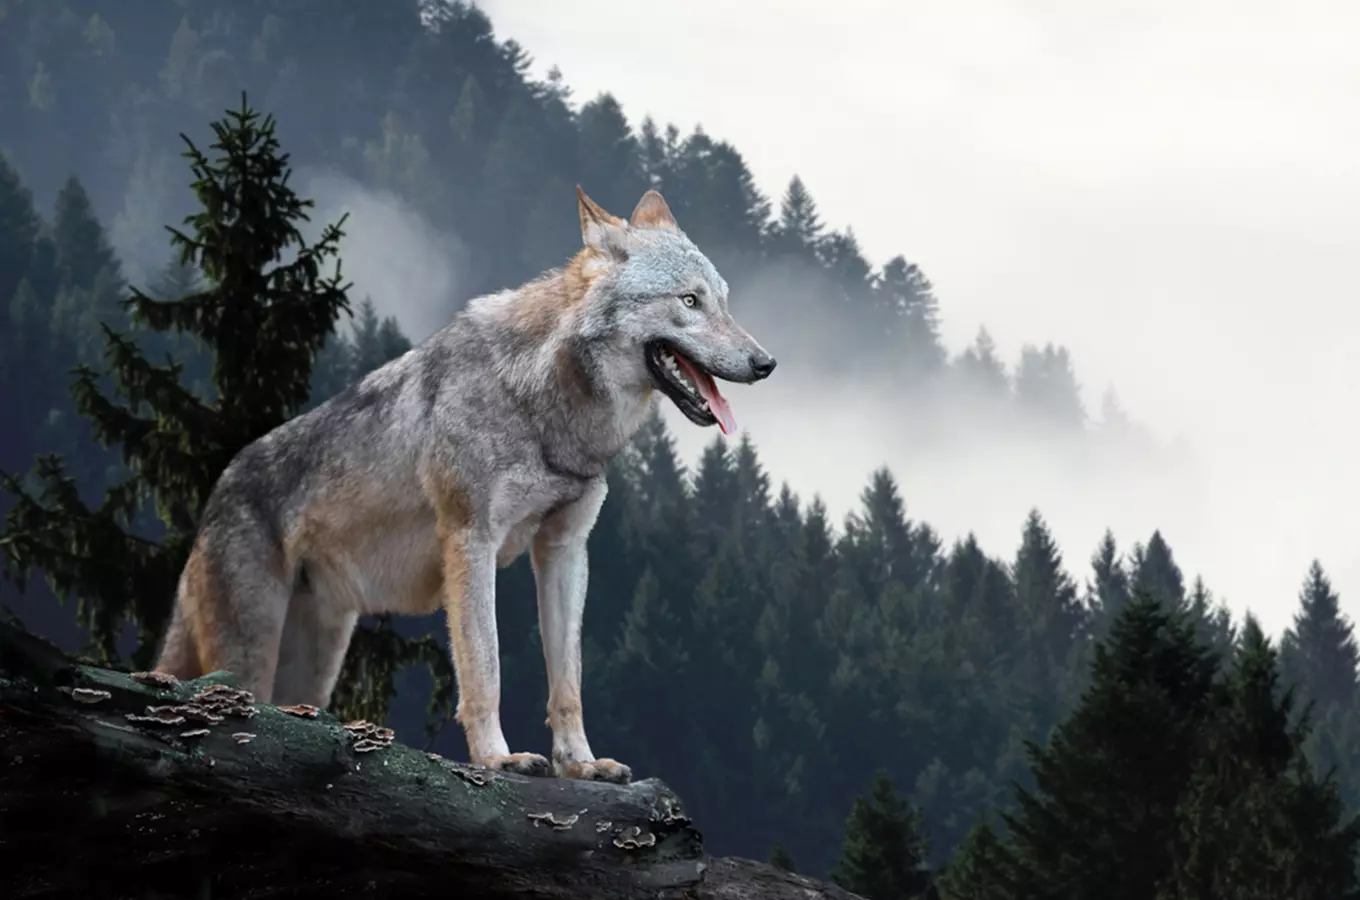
pixel 179 653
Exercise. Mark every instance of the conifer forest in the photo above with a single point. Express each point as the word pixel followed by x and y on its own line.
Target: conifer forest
pixel 856 699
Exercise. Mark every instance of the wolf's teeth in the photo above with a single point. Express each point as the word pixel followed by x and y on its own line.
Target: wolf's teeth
pixel 683 379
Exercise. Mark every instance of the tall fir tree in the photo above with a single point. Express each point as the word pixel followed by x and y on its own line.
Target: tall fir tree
pixel 884 854
pixel 1108 781
pixel 781 859
pixel 798 232
pixel 1319 653
pixel 20 228
pixel 907 302
pixel 1053 623
pixel 264 314
pixel 1155 574
pixel 1255 822
pixel 1109 591
pixel 262 322
pixel 978 871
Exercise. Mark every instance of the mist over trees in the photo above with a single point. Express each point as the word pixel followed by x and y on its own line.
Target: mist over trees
pixel 861 698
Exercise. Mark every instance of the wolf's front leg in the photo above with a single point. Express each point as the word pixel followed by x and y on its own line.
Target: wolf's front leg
pixel 559 560
pixel 470 602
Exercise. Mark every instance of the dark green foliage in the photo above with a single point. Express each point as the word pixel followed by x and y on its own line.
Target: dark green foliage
pixel 20 228
pixel 1155 574
pixel 780 858
pixel 1318 656
pixel 263 321
pixel 1108 782
pixel 1255 822
pixel 978 871
pixel 758 655
pixel 1319 652
pixel 884 855
pixel 1169 781
pixel 1109 591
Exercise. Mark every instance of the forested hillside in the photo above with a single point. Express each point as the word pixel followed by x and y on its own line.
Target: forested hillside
pixel 765 661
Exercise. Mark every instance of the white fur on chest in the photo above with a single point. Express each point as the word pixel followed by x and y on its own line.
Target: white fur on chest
pixel 519 502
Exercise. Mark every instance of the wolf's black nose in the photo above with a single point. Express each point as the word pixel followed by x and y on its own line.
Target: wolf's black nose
pixel 762 364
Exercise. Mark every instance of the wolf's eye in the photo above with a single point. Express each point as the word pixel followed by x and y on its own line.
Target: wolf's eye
pixel 690 300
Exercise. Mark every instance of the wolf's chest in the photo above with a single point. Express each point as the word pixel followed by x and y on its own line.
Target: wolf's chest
pixel 520 504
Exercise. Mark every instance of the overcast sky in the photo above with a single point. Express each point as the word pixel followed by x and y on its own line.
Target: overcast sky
pixel 1171 189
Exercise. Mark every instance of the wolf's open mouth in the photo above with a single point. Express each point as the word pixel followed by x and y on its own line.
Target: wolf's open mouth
pixel 689 387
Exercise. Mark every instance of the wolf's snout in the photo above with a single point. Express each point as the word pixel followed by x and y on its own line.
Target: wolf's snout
pixel 762 364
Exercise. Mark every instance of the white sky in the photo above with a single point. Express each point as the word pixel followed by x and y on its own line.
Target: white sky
pixel 1172 189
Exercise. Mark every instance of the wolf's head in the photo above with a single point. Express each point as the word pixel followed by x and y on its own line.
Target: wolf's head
pixel 663 306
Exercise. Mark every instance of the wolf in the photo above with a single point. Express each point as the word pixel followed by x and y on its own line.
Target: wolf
pixel 404 493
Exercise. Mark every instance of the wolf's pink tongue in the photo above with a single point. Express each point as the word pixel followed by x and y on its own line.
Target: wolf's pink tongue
pixel 708 389
pixel 717 404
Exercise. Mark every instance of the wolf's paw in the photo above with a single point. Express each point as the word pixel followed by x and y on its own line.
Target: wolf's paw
pixel 520 764
pixel 609 770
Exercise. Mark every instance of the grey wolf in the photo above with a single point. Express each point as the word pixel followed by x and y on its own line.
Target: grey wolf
pixel 404 493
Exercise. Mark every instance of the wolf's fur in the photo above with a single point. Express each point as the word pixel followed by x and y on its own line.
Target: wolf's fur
pixel 405 492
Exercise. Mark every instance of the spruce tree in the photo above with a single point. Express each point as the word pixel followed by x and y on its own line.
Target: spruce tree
pixel 884 854
pixel 264 312
pixel 799 230
pixel 1046 388
pixel 1155 573
pixel 610 158
pixel 1319 651
pixel 781 859
pixel 1109 780
pixel 907 300
pixel 979 869
pixel 1212 620
pixel 83 249
pixel 1052 624
pixel 1255 822
pixel 1109 591
pixel 367 346
pixel 982 375
pixel 20 227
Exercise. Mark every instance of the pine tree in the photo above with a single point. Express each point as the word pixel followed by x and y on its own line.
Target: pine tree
pixel 254 321
pixel 391 342
pixel 89 276
pixel 656 156
pixel 611 161
pixel 1046 387
pixel 1052 624
pixel 1319 653
pixel 1255 823
pixel 799 230
pixel 264 321
pixel 368 352
pixel 1155 573
pixel 978 871
pixel 780 858
pixel 982 375
pixel 905 294
pixel 849 271
pixel 981 597
pixel 20 227
pixel 884 854
pixel 1109 591
pixel 1212 620
pixel 1109 780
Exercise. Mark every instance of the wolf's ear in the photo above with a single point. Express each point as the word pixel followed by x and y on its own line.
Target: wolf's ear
pixel 652 212
pixel 600 229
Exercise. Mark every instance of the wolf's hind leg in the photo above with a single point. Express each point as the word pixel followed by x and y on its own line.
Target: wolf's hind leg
pixel 233 598
pixel 316 635
pixel 470 602
pixel 179 652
